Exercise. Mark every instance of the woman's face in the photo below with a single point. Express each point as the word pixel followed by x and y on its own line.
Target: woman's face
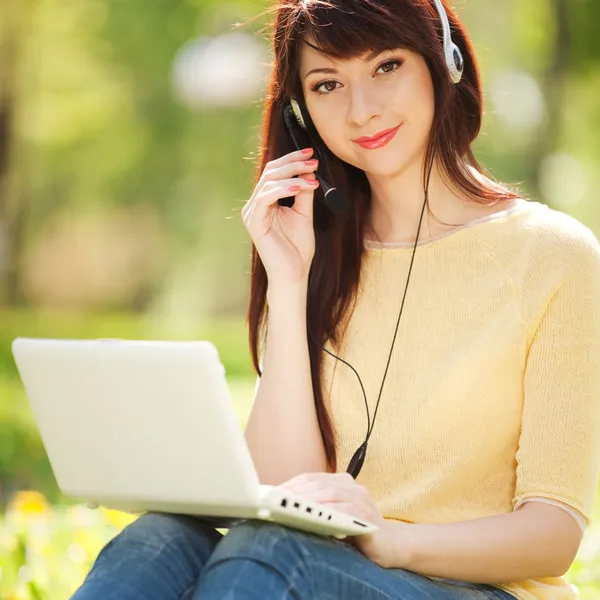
pixel 365 96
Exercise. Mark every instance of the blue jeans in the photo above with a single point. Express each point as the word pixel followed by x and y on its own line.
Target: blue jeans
pixel 173 557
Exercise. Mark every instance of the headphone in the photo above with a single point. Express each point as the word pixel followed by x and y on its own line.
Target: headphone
pixel 336 201
pixel 454 57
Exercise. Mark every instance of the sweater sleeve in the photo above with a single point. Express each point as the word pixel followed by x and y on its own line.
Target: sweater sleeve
pixel 558 455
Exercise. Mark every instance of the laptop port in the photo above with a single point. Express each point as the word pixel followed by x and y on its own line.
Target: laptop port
pixel 329 518
pixel 359 523
pixel 296 504
pixel 284 503
pixel 308 509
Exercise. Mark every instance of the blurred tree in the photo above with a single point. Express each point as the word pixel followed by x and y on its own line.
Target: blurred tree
pixel 13 208
pixel 88 123
pixel 584 16
pixel 106 131
pixel 553 82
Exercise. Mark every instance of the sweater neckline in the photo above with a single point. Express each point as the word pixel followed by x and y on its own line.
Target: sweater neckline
pixel 521 207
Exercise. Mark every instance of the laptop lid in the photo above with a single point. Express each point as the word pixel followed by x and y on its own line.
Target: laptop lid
pixel 137 420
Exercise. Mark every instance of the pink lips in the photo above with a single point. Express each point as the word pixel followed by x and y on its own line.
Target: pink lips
pixel 377 142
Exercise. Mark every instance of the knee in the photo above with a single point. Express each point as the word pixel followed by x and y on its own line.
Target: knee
pixel 270 541
pixel 158 555
pixel 156 530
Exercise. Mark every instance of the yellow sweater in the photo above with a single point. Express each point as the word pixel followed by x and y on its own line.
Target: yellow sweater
pixel 492 395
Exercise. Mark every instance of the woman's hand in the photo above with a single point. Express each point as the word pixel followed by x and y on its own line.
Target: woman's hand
pixel 284 237
pixel 340 491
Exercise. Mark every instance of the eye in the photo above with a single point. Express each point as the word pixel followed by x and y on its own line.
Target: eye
pixel 318 86
pixel 390 62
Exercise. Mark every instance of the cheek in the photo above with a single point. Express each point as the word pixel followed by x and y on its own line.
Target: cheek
pixel 326 126
pixel 424 101
pixel 331 131
pixel 415 102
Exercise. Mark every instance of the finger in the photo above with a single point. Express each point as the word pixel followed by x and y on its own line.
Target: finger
pixel 286 159
pixel 298 167
pixel 284 174
pixel 304 201
pixel 344 478
pixel 285 184
pixel 294 164
pixel 249 215
pixel 274 191
pixel 326 479
pixel 265 202
pixel 304 478
pixel 334 496
pixel 329 495
pixel 248 208
pixel 348 508
pixel 328 486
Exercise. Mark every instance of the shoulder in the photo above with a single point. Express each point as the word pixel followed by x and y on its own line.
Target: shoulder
pixel 543 239
pixel 563 242
pixel 559 229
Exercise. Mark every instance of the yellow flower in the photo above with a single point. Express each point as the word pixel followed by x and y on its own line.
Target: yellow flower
pixel 15 594
pixel 87 538
pixel 30 502
pixel 117 518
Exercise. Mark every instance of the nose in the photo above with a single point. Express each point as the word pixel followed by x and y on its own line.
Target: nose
pixel 363 106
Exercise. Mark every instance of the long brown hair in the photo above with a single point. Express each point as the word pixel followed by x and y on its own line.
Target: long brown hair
pixel 345 29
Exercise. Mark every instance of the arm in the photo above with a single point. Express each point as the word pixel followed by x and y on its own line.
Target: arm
pixel 558 454
pixel 536 540
pixel 283 432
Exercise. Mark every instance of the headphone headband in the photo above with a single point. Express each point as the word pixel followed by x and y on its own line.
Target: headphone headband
pixel 454 57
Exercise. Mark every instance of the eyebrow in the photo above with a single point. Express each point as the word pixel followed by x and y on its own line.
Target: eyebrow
pixel 370 57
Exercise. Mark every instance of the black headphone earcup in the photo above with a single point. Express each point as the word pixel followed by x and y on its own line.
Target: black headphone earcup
pixel 458 60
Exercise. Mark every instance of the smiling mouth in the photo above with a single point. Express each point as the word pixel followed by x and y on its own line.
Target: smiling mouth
pixel 367 139
pixel 378 142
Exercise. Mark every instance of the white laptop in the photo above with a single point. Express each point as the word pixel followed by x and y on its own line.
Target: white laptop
pixel 149 426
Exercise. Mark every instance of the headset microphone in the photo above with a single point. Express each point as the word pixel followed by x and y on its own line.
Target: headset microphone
pixel 335 200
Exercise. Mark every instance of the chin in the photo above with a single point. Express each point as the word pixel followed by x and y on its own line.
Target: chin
pixel 384 166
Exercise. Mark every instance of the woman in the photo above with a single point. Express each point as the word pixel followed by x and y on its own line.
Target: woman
pixel 480 463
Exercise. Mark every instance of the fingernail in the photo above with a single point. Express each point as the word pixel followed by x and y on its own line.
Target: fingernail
pixel 313 182
pixel 307 150
pixel 310 163
pixel 294 188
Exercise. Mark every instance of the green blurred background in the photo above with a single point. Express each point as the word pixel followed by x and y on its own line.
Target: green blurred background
pixel 128 137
